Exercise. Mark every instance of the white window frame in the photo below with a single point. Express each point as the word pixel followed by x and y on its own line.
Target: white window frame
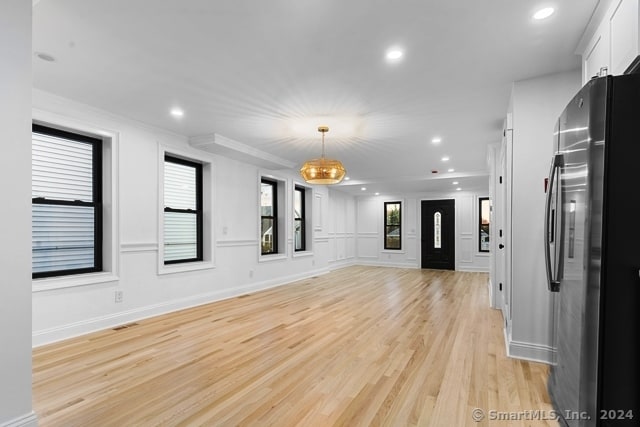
pixel 208 259
pixel 283 220
pixel 110 211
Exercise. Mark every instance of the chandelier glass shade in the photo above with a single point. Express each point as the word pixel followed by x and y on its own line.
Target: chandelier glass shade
pixel 323 170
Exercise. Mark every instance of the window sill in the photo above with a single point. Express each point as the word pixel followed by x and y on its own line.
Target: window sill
pixel 483 254
pixel 392 251
pixel 301 254
pixel 187 266
pixel 272 257
pixel 62 282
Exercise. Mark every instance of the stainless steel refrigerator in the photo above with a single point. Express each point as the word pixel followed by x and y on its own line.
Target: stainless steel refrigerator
pixel 592 231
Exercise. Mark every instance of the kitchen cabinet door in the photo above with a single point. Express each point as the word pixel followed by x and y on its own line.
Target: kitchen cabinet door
pixel 624 35
pixel 597 57
pixel 615 43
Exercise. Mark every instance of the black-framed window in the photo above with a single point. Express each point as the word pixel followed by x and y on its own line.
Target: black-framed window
pixel 299 219
pixel 182 210
pixel 268 216
pixel 484 209
pixel 392 225
pixel 66 191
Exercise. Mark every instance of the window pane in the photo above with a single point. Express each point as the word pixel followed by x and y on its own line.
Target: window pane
pixel 183 210
pixel 297 204
pixel 437 233
pixel 297 236
pixel 266 199
pixel 266 234
pixel 393 237
pixel 65 208
pixel 392 226
pixel 393 213
pixel 180 236
pixel 179 186
pixel 62 237
pixel 485 210
pixel 61 169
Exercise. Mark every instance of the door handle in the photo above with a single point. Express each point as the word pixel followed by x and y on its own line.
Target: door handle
pixel 552 283
pixel 500 246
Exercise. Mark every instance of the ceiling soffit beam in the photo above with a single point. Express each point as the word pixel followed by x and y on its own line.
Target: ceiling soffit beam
pixel 227 147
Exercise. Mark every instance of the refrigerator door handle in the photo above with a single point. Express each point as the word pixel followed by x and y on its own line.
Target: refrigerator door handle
pixel 552 283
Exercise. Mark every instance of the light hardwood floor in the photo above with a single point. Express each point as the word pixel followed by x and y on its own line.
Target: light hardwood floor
pixel 357 347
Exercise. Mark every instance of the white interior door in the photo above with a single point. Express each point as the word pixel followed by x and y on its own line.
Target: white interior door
pixel 502 201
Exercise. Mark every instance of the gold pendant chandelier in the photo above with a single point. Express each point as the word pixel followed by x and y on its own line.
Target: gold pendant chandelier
pixel 322 170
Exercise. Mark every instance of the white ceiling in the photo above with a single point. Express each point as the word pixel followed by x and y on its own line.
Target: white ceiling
pixel 266 73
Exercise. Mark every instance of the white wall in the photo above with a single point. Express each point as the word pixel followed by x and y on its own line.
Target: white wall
pixel 370 235
pixel 15 223
pixel 536 105
pixel 236 266
pixel 345 230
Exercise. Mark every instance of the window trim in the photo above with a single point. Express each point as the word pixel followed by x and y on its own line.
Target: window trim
pixel 284 217
pixel 110 205
pixel 97 202
pixel 198 211
pixel 274 216
pixel 302 219
pixel 386 225
pixel 208 203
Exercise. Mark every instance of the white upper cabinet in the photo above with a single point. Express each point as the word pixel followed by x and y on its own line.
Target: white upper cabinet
pixel 611 41
pixel 595 61
pixel 624 35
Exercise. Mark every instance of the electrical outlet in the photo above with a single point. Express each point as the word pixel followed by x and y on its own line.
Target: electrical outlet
pixel 119 296
pixel 250 273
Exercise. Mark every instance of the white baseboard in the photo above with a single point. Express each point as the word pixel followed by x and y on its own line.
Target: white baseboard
pixel 59 333
pixel 336 265
pixel 472 269
pixel 387 264
pixel 27 420
pixel 530 351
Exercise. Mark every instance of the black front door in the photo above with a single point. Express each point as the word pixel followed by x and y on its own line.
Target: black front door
pixel 438 234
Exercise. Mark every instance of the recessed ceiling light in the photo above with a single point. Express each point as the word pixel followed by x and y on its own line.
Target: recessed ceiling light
pixel 45 57
pixel 346 178
pixel 377 194
pixel 363 188
pixel 176 112
pixel 451 170
pixel 455 183
pixel 543 13
pixel 436 140
pixel 394 54
pixel 445 159
pixel 458 189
